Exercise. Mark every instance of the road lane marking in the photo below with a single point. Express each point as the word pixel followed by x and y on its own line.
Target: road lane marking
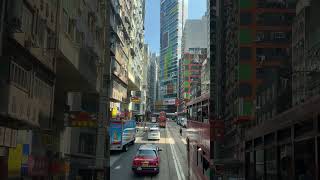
pixel 176 161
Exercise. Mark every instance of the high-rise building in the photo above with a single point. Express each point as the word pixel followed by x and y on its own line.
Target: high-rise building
pixel 194 52
pixel 152 81
pixel 305 79
pixel 172 19
pixel 194 35
pixel 256 59
pixel 137 56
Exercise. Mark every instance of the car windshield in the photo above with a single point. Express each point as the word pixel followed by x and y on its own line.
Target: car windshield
pixel 147 153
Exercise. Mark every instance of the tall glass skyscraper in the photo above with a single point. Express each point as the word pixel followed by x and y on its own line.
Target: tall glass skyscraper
pixel 172 19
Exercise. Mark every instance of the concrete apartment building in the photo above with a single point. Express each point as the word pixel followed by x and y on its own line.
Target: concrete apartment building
pixel 54 83
pixel 173 14
pixel 135 63
pixel 305 79
pixel 28 75
pixel 257 72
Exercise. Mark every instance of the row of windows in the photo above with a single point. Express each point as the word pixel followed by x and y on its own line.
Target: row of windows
pixel 20 76
pixel 33 23
pixel 87 143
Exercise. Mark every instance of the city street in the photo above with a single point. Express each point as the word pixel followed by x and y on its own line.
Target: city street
pixel 173 157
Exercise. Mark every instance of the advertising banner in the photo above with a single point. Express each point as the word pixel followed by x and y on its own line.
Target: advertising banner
pixel 24 161
pixel 169 101
pixel 14 161
pixel 135 99
pixel 115 133
pixel 81 119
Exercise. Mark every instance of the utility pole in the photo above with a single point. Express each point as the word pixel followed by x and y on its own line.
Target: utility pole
pixel 103 149
pixel 2 10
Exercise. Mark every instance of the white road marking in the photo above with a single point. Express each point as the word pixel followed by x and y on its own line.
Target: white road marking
pixel 184 141
pixel 176 161
pixel 113 159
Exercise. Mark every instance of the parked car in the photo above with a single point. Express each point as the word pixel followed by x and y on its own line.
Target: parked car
pixel 147 160
pixel 154 133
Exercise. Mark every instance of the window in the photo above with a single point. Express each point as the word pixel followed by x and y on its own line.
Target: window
pixel 245 90
pixel 250 165
pixel 19 76
pixel 304 157
pixel 285 161
pixel 259 164
pixel 27 20
pixel 147 153
pixel 271 169
pixel 65 21
pixel 87 143
pixel 71 29
pixel 279 35
pixel 245 53
pixel 245 18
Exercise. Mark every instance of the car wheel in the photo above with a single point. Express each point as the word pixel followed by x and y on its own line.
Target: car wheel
pixel 125 148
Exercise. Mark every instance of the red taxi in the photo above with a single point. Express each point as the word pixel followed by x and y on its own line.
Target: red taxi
pixel 147 160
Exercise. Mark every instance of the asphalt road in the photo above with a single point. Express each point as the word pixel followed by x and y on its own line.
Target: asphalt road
pixel 173 157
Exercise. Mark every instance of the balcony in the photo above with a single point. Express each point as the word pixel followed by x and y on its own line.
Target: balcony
pixel 120 55
pixel 43 55
pixel 120 71
pixel 76 67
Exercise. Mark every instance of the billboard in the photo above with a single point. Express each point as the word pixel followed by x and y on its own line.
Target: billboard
pixel 169 101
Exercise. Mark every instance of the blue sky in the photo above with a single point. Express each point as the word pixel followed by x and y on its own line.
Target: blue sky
pixel 196 8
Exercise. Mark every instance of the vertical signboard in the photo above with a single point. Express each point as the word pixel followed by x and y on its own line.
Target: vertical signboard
pixel 14 161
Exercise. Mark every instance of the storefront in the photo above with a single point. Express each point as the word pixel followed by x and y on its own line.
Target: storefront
pixel 286 147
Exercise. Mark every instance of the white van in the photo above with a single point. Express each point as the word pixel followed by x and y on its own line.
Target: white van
pixel 154 133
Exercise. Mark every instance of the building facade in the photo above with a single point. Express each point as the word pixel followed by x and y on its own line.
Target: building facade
pixel 135 64
pixel 194 52
pixel 152 80
pixel 173 14
pixel 257 66
pixel 28 75
pixel 53 83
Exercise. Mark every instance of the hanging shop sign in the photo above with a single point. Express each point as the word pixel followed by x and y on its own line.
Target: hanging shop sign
pixel 58 167
pixel 169 102
pixel 135 99
pixel 114 112
pixel 81 119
